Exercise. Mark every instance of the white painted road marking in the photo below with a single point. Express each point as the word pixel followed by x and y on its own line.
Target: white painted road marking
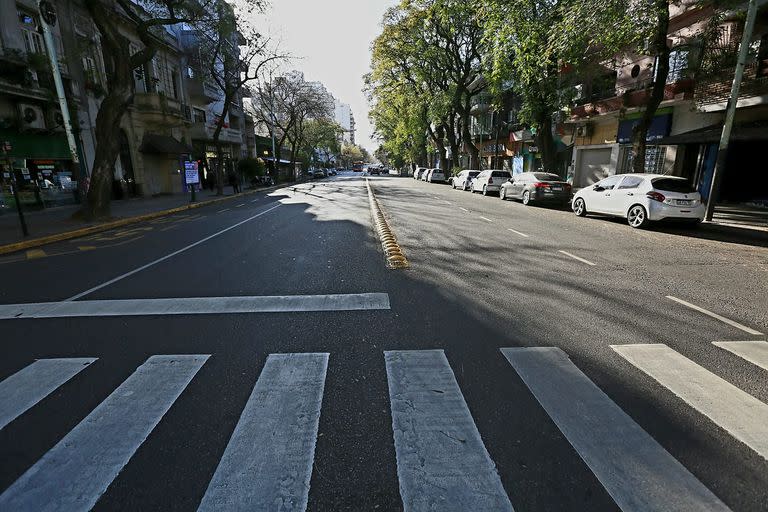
pixel 268 461
pixel 239 205
pixel 442 463
pixel 28 386
pixel 174 253
pixel 716 316
pixel 742 415
pixel 224 210
pixel 462 208
pixel 638 473
pixel 446 201
pixel 255 200
pixel 756 352
pixel 196 306
pixel 517 232
pixel 73 474
pixel 577 258
pixel 486 219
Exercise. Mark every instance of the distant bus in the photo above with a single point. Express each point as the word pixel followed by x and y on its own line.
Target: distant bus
pixel 358 166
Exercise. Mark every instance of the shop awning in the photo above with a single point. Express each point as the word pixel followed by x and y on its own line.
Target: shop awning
pixel 37 145
pixel 660 126
pixel 163 144
pixel 710 134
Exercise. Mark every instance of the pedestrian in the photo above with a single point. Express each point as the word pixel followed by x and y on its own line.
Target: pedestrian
pixel 233 181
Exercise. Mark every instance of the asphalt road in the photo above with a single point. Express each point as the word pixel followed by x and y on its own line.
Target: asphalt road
pixel 580 424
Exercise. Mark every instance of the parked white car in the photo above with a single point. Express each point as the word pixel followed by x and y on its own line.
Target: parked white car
pixel 489 181
pixel 641 198
pixel 463 179
pixel 425 174
pixel 436 176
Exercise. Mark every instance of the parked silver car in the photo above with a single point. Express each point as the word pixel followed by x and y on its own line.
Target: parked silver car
pixel 538 187
pixel 489 181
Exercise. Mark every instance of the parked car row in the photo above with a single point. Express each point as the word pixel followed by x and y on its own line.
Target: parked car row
pixel 429 175
pixel 639 198
pixel 321 173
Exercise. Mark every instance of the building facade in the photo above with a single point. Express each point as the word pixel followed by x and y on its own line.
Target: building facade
pixel 684 135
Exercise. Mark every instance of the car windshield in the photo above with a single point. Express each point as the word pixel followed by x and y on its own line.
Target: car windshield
pixel 545 176
pixel 673 185
pixel 501 174
pixel 472 174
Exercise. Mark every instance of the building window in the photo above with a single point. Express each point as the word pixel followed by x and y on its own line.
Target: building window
pixel 199 115
pixel 655 157
pixel 175 82
pixel 33 39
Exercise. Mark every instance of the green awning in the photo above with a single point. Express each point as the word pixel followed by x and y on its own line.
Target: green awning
pixel 37 145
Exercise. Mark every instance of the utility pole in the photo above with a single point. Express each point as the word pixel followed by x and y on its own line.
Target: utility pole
pixel 48 15
pixel 272 131
pixel 722 150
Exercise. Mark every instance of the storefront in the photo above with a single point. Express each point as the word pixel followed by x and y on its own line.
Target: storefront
pixel 659 158
pixel 41 168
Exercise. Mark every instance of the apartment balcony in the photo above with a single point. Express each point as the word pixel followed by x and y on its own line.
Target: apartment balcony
pixel 714 88
pixel 155 107
pixel 201 91
pixel 204 131
pixel 679 90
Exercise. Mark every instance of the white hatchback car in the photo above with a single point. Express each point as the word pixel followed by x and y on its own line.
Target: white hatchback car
pixel 641 198
pixel 436 176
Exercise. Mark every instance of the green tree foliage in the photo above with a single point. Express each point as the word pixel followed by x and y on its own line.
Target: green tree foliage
pixel 321 142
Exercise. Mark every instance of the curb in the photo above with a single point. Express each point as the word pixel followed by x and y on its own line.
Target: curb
pixel 394 254
pixel 76 233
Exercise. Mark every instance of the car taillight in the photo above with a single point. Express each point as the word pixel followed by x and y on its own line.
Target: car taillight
pixel 541 185
pixel 656 196
pixel 490 181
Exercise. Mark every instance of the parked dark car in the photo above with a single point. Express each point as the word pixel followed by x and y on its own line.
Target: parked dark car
pixel 539 187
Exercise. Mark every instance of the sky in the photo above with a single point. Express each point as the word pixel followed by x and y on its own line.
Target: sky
pixel 331 41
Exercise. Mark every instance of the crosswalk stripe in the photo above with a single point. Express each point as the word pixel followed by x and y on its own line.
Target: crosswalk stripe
pixel 638 473
pixel 742 415
pixel 25 388
pixel 754 351
pixel 268 461
pixel 442 463
pixel 73 474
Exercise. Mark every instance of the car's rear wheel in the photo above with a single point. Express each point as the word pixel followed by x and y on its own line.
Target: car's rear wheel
pixel 579 208
pixel 502 193
pixel 637 217
pixel 527 197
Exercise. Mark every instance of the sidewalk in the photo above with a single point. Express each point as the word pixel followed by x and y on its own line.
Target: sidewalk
pixel 58 220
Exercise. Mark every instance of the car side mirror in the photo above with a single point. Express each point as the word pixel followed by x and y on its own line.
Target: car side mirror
pixel 511 180
pixel 598 188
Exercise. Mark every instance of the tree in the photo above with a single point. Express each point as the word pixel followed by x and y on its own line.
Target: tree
pixel 321 141
pixel 284 104
pixel 146 19
pixel 349 154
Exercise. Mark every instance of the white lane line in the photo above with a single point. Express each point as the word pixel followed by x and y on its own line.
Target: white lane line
pixel 269 457
pixel 442 462
pixel 754 351
pixel 742 415
pixel 22 390
pixel 577 258
pixel 239 205
pixel 638 473
pixel 447 202
pixel 224 210
pixel 517 232
pixel 462 208
pixel 196 306
pixel 77 471
pixel 171 255
pixel 255 200
pixel 716 316
pixel 486 219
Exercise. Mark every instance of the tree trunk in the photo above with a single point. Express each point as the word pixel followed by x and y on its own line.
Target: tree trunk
pixel 119 95
pixel 466 135
pixel 217 143
pixel 546 143
pixel 661 50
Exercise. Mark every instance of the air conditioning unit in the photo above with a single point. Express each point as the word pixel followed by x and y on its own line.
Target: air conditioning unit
pixel 55 120
pixel 584 130
pixel 31 117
